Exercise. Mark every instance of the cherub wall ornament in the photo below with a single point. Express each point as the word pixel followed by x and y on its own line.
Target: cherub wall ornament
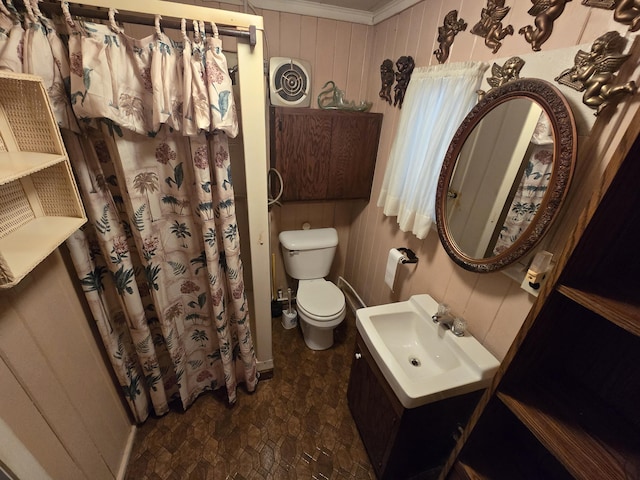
pixel 500 75
pixel 546 12
pixel 628 12
pixel 405 66
pixel 606 4
pixel 490 24
pixel 594 72
pixel 387 76
pixel 447 33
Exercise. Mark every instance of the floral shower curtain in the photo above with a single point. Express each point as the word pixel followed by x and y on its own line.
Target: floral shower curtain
pixel 532 187
pixel 160 258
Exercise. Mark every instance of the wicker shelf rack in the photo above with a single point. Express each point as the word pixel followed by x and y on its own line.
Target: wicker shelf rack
pixel 39 202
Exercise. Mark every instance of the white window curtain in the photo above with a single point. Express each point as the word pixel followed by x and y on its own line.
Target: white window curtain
pixel 437 100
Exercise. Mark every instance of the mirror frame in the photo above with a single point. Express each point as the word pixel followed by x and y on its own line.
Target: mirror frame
pixel 564 156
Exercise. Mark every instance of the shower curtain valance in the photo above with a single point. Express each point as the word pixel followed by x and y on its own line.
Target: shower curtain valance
pixel 99 10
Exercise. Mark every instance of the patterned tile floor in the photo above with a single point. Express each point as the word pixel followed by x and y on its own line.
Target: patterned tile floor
pixel 297 424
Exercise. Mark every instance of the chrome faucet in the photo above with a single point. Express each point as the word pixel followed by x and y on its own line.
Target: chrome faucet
pixel 444 319
pixel 443 312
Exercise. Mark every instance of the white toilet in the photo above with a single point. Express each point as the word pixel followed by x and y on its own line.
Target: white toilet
pixel 308 255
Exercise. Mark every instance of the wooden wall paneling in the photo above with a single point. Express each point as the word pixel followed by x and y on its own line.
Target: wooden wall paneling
pixel 598 21
pixel 357 64
pixel 357 211
pixel 290 35
pixel 24 356
pixel 414 33
pixel 325 51
pixel 482 306
pixel 513 310
pixel 26 422
pixel 342 222
pixel 81 370
pixel 308 42
pixel 271 21
pixel 431 20
pixel 463 48
pixel 341 57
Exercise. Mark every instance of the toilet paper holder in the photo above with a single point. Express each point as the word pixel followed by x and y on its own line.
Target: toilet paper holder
pixel 407 255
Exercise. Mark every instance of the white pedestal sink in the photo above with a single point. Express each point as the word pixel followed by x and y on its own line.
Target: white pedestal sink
pixel 422 361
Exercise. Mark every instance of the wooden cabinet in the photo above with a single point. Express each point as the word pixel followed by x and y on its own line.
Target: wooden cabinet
pixel 565 402
pixel 324 154
pixel 39 201
pixel 402 443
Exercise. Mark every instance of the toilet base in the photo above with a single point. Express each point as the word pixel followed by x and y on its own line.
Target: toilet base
pixel 316 338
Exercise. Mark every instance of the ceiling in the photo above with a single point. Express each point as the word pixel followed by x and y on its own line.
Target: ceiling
pixel 368 12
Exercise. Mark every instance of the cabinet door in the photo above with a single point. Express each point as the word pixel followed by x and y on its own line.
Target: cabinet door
pixel 302 152
pixel 372 409
pixel 324 154
pixel 354 147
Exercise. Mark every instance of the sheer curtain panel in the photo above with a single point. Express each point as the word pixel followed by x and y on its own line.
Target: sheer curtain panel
pixel 437 100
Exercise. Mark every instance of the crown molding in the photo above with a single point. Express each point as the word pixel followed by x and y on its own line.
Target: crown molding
pixel 391 9
pixel 323 10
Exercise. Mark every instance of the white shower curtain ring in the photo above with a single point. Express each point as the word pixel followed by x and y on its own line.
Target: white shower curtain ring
pixel 157 24
pixel 112 21
pixel 214 28
pixel 183 27
pixel 4 9
pixel 36 8
pixel 196 32
pixel 64 4
pixel 27 6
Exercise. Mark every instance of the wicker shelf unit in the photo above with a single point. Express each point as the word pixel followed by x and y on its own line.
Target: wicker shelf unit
pixel 39 202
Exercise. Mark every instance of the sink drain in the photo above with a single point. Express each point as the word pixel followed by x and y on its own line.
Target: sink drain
pixel 414 361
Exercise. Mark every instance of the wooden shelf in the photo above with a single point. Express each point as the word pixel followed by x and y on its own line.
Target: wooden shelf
pixel 502 448
pixel 14 165
pixel 587 436
pixel 26 247
pixel 462 471
pixel 618 305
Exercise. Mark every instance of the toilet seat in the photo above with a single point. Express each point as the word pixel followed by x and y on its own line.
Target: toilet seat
pixel 320 300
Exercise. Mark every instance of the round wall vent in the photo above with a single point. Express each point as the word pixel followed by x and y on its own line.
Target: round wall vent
pixel 289 82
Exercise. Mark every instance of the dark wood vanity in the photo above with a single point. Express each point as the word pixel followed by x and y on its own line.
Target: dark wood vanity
pixel 324 154
pixel 400 442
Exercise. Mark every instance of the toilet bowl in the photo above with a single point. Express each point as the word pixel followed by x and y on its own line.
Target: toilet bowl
pixel 321 308
pixel 308 255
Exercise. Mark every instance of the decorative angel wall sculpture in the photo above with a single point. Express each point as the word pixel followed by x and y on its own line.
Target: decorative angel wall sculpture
pixel 628 12
pixel 594 72
pixel 405 66
pixel 387 76
pixel 500 75
pixel 546 12
pixel 447 33
pixel 490 24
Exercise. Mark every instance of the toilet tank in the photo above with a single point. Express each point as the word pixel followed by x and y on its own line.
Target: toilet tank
pixel 308 253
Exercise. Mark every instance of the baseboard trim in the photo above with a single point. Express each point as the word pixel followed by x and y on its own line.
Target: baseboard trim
pixel 122 471
pixel 264 366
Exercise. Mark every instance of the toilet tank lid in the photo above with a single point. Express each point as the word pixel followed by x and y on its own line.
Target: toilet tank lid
pixel 309 239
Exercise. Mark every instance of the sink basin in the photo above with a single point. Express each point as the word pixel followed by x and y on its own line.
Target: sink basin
pixel 422 361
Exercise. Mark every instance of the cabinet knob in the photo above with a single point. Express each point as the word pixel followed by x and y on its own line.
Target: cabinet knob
pixel 358 356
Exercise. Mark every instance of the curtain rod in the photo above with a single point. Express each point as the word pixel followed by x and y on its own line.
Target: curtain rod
pixel 143 19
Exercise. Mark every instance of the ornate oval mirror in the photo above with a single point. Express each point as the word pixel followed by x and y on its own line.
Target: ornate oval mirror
pixel 505 175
